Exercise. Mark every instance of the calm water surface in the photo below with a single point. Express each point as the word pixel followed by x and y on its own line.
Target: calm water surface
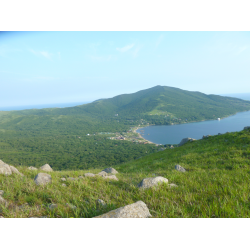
pixel 173 134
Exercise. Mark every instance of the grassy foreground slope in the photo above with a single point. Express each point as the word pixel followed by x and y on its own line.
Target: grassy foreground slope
pixel 216 184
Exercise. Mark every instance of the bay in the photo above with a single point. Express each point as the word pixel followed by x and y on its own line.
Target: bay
pixel 173 134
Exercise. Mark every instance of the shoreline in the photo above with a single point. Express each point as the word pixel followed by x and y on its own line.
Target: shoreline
pixel 134 130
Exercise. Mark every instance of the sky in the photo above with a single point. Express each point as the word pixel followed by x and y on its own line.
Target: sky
pixel 83 66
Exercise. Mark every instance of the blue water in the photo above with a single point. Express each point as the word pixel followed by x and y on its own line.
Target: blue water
pixel 173 134
pixel 43 106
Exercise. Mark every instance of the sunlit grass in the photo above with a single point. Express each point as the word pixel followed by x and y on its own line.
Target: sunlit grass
pixel 215 185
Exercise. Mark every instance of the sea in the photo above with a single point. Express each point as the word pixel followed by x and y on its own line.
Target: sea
pixel 173 134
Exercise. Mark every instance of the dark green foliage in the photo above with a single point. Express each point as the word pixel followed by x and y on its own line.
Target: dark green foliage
pixel 35 137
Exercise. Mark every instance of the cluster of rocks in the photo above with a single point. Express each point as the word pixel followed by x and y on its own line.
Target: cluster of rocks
pixel 8 169
pixel 135 210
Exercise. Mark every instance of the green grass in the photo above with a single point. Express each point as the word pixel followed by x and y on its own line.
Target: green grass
pixel 216 184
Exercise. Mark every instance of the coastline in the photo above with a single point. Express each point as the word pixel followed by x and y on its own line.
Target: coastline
pixel 139 135
pixel 134 130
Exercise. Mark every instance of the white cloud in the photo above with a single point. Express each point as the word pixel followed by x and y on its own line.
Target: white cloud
pixel 126 48
pixel 45 54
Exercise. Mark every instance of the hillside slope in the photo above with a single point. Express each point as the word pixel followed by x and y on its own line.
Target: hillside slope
pixel 215 184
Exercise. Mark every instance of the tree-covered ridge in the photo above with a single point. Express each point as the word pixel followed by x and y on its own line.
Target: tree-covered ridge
pixel 33 137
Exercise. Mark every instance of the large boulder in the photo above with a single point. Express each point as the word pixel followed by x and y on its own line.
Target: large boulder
pixel 102 173
pixel 110 171
pixel 15 171
pixel 180 168
pixel 112 177
pixel 42 179
pixel 5 168
pixel 46 168
pixel 151 182
pixel 136 210
pixel 185 140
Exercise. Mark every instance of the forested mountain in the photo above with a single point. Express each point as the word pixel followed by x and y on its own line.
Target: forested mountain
pixel 58 135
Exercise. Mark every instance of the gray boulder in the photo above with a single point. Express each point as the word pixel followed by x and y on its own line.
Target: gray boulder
pixel 101 202
pixel 32 168
pixel 180 168
pixel 151 182
pixel 185 140
pixel 89 175
pixel 63 179
pixel 15 171
pixel 46 168
pixel 112 177
pixel 80 177
pixel 5 168
pixel 110 171
pixel 3 201
pixel 1 192
pixel 103 173
pixel 136 210
pixel 42 179
pixel 64 185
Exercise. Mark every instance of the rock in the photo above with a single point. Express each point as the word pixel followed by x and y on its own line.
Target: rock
pixel 89 175
pixel 101 202
pixel 80 177
pixel 46 168
pixel 63 179
pixel 64 185
pixel 103 173
pixel 53 206
pixel 180 168
pixel 172 185
pixel 15 171
pixel 1 192
pixel 185 140
pixel 110 170
pixel 42 179
pixel 5 168
pixel 32 168
pixel 70 206
pixel 72 179
pixel 112 177
pixel 246 128
pixel 1 217
pixel 136 210
pixel 151 182
pixel 3 201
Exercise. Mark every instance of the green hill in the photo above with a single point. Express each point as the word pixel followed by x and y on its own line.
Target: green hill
pixel 59 135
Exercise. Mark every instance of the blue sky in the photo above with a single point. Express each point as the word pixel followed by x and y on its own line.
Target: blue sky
pixel 64 67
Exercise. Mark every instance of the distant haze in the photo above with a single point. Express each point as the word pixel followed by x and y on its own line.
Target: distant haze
pixel 243 96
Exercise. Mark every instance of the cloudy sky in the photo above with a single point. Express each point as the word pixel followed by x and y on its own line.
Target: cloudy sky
pixel 64 67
